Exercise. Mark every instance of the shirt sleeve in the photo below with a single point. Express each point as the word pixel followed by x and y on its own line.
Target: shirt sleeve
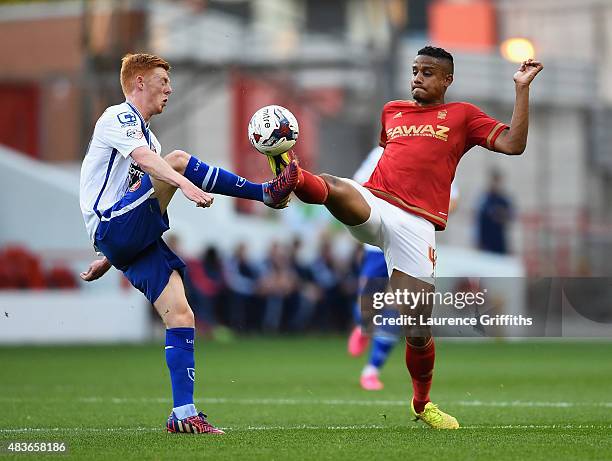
pixel 124 136
pixel 482 130
pixel 383 132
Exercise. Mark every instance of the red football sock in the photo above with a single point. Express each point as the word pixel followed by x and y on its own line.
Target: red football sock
pixel 420 364
pixel 311 188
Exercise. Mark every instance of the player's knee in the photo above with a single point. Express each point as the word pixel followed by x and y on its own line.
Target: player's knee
pixel 180 317
pixel 178 160
pixel 418 337
pixel 333 183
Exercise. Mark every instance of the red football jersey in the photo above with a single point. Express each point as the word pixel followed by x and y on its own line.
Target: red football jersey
pixel 423 146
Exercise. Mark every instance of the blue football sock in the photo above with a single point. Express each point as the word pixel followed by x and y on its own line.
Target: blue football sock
pixel 181 363
pixel 381 348
pixel 220 181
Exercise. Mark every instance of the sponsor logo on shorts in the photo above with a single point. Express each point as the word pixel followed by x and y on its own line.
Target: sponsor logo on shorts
pixel 135 176
pixel 136 171
pixel 134 133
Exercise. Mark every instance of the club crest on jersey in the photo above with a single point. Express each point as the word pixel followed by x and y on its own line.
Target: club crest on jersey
pixel 135 186
pixel 134 133
pixel 439 132
pixel 442 114
pixel 127 119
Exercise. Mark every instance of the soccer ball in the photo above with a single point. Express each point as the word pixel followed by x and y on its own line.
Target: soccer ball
pixel 273 130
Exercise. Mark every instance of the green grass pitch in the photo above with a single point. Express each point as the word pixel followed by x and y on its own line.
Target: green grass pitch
pixel 298 398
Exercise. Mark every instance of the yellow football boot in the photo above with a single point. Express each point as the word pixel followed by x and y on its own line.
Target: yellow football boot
pixel 434 417
pixel 279 162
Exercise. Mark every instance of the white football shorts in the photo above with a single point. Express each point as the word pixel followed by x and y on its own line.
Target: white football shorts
pixel 408 241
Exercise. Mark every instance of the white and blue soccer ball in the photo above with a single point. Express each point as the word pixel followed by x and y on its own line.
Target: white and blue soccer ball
pixel 273 130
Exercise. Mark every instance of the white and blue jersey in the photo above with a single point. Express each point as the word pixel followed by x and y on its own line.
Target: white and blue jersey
pixel 123 221
pixel 108 170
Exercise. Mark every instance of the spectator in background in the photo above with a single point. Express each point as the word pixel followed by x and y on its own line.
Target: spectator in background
pixel 349 283
pixel 494 214
pixel 242 281
pixel 200 289
pixel 306 295
pixel 278 282
pixel 212 266
pixel 207 288
pixel 327 276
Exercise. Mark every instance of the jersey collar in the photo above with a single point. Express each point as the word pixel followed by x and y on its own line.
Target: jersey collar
pixel 144 126
pixel 133 107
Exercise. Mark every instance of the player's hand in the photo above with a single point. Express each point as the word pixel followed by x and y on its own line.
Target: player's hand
pixel 527 72
pixel 197 195
pixel 96 270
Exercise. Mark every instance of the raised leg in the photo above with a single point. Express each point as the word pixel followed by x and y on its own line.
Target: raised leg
pixel 216 180
pixel 164 192
pixel 343 201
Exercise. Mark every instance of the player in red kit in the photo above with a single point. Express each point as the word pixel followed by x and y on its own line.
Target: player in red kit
pixel 406 199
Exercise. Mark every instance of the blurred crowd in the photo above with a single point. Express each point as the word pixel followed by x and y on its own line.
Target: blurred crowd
pixel 277 293
pixel 23 269
pixel 280 292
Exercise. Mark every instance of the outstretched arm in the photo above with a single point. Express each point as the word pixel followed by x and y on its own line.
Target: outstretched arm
pixel 97 269
pixel 514 140
pixel 158 168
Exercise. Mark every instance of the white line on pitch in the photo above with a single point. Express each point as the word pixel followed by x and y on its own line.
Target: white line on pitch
pixel 354 402
pixel 298 427
pixel 324 402
pixel 521 403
